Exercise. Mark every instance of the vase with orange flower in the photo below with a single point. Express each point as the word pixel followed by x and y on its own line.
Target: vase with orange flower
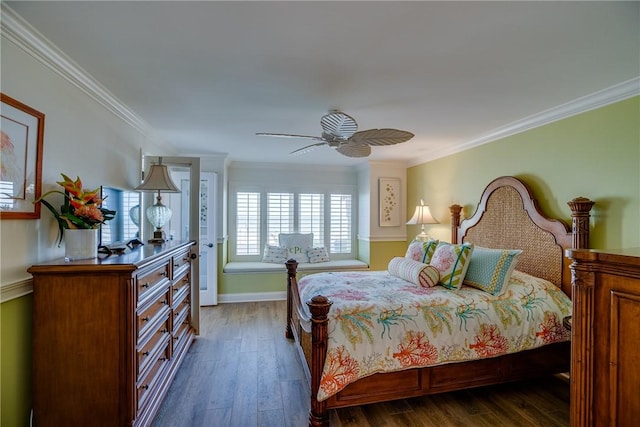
pixel 79 218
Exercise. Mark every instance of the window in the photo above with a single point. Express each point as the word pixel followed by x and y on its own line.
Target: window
pixel 279 215
pixel 261 216
pixel 248 223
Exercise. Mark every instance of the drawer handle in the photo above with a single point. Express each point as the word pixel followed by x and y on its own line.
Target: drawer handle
pixel 164 331
pixel 164 302
pixel 162 359
pixel 164 273
pixel 145 319
pixel 145 353
pixel 145 285
pixel 145 387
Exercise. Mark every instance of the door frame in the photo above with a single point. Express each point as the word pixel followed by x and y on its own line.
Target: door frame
pixel 193 165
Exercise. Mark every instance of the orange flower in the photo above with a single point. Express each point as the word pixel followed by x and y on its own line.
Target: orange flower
pixel 81 209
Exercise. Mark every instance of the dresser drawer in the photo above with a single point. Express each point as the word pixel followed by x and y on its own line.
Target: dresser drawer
pixel 147 384
pixel 146 281
pixel 151 347
pixel 181 311
pixel 180 261
pixel 181 336
pixel 152 314
pixel 180 287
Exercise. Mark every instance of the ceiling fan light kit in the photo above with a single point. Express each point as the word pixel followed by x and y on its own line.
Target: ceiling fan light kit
pixel 340 131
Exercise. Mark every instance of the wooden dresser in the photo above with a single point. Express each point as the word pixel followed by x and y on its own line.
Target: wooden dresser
pixel 605 338
pixel 109 335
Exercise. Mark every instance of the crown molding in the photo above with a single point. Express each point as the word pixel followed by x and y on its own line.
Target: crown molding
pixel 15 29
pixel 601 98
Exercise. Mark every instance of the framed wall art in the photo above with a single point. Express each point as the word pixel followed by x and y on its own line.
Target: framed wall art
pixel 389 200
pixel 22 132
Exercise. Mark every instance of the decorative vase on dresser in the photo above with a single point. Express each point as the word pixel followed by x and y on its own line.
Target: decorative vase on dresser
pixel 605 338
pixel 80 243
pixel 109 335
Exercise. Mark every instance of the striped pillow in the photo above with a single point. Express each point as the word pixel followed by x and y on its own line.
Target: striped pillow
pixel 452 262
pixel 414 271
pixel 490 269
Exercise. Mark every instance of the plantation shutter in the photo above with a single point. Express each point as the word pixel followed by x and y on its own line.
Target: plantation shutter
pixel 311 217
pixel 279 216
pixel 340 223
pixel 248 223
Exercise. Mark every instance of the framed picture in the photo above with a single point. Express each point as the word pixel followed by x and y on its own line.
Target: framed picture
pixel 22 131
pixel 389 200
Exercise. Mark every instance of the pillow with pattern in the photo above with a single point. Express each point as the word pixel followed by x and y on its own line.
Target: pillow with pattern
pixel 452 261
pixel 318 255
pixel 421 251
pixel 415 272
pixel 490 269
pixel 275 254
pixel 297 244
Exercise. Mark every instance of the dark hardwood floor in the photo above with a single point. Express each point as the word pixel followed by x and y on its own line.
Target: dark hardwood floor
pixel 242 372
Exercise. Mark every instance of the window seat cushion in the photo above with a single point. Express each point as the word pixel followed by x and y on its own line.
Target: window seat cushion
pixel 267 267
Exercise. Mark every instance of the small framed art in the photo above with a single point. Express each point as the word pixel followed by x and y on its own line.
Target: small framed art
pixel 389 200
pixel 22 132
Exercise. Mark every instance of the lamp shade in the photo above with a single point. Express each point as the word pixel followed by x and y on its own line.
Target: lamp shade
pixel 158 179
pixel 422 215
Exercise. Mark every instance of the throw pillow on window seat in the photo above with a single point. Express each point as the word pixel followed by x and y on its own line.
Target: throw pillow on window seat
pixel 297 245
pixel 275 254
pixel 318 255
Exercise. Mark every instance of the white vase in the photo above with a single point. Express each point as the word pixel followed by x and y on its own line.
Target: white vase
pixel 80 244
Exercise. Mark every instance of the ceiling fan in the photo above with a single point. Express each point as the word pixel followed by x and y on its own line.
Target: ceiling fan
pixel 339 131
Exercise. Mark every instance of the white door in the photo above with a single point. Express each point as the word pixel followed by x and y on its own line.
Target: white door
pixel 185 211
pixel 207 226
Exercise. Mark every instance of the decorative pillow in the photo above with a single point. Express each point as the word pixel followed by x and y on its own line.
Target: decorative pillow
pixel 297 244
pixel 318 255
pixel 452 262
pixel 415 272
pixel 421 251
pixel 490 269
pixel 275 254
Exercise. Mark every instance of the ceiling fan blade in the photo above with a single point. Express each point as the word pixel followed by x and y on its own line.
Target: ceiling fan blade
pixel 307 149
pixel 286 135
pixel 381 136
pixel 338 124
pixel 354 149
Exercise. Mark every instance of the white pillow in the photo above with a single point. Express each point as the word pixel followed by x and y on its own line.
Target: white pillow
pixel 318 255
pixel 413 271
pixel 275 254
pixel 452 261
pixel 297 244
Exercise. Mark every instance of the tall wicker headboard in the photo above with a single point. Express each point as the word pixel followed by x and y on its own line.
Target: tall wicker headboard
pixel 508 217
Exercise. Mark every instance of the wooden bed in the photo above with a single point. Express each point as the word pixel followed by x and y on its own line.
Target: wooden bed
pixel 507 216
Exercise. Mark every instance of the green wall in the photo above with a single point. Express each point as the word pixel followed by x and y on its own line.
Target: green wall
pixel 15 361
pixel 595 154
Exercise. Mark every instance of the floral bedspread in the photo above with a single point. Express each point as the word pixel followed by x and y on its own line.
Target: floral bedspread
pixel 381 323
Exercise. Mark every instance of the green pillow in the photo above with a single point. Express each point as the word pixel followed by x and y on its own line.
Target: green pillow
pixel 490 269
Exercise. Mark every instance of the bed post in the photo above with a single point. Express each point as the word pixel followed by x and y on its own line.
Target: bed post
pixel 292 266
pixel 580 208
pixel 455 222
pixel 319 307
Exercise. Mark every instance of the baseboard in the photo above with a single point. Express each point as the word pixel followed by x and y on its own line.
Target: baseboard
pixel 252 297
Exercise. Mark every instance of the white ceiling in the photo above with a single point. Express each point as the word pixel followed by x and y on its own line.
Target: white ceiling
pixel 208 75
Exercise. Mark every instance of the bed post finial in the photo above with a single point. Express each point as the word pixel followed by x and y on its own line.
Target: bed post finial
pixel 455 221
pixel 580 208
